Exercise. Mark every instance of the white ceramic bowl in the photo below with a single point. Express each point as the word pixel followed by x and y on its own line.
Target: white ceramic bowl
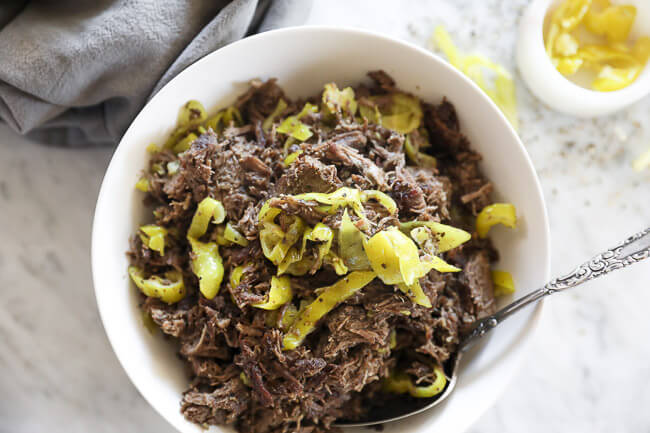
pixel 303 59
pixel 557 91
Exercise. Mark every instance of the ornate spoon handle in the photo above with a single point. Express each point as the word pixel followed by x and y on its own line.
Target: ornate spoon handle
pixel 632 250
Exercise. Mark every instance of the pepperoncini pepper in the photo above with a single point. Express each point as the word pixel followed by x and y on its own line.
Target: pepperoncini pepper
pixel 291 158
pixel 329 298
pixel 395 259
pixel 207 265
pixel 190 117
pixel 169 289
pixel 412 145
pixel 293 127
pixel 400 383
pixel 351 245
pixel 403 114
pixel 339 101
pixel 503 282
pixel 142 185
pixel 614 22
pixel 279 294
pixel 497 213
pixel 231 234
pixel 279 109
pixel 447 237
pixel 153 237
pixel 207 209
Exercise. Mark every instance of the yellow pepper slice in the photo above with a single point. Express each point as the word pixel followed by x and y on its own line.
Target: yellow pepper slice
pixel 570 14
pixel 598 55
pixel 497 213
pixel 142 185
pixel 191 114
pixel 340 198
pixel 232 115
pixel 270 235
pixel 403 115
pixel 236 274
pixel 339 101
pixel 503 90
pixel 323 234
pixel 291 158
pixel 185 143
pixel 220 238
pixel 349 197
pixel 413 153
pixel 438 264
pixel 288 317
pixel 152 148
pixel 393 256
pixel 277 244
pixel 231 234
pixel 279 294
pixel 158 168
pixel 614 22
pixel 290 263
pixel 641 49
pixel 169 289
pixel 400 383
pixel 329 298
pixel 442 40
pixel 371 113
pixel 293 127
pixel 223 118
pixel 447 237
pixel 392 339
pixel 207 265
pixel 153 237
pixel 383 199
pixel 504 284
pixel 293 262
pixel 351 241
pixel 336 262
pixel 267 213
pixel 207 209
pixel 416 294
pixel 568 65
pixel 565 18
pixel 268 122
pixel 566 45
pixel 610 79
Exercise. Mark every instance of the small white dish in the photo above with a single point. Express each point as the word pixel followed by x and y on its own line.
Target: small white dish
pixel 303 59
pixel 557 91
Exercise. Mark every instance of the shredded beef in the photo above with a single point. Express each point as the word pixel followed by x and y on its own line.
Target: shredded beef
pixel 239 374
pixel 308 174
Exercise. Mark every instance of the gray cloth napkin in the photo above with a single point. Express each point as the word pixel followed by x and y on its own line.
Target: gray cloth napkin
pixel 75 73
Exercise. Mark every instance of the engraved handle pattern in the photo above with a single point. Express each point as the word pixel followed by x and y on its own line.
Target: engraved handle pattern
pixel 632 250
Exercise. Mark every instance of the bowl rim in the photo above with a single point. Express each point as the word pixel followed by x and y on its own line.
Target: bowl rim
pixel 532 324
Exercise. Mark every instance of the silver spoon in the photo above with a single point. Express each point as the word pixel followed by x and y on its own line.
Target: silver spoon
pixel 632 250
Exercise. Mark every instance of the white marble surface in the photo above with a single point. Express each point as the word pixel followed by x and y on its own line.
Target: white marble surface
pixel 589 366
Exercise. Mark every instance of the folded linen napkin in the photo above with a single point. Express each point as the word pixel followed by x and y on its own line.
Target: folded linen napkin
pixel 75 73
